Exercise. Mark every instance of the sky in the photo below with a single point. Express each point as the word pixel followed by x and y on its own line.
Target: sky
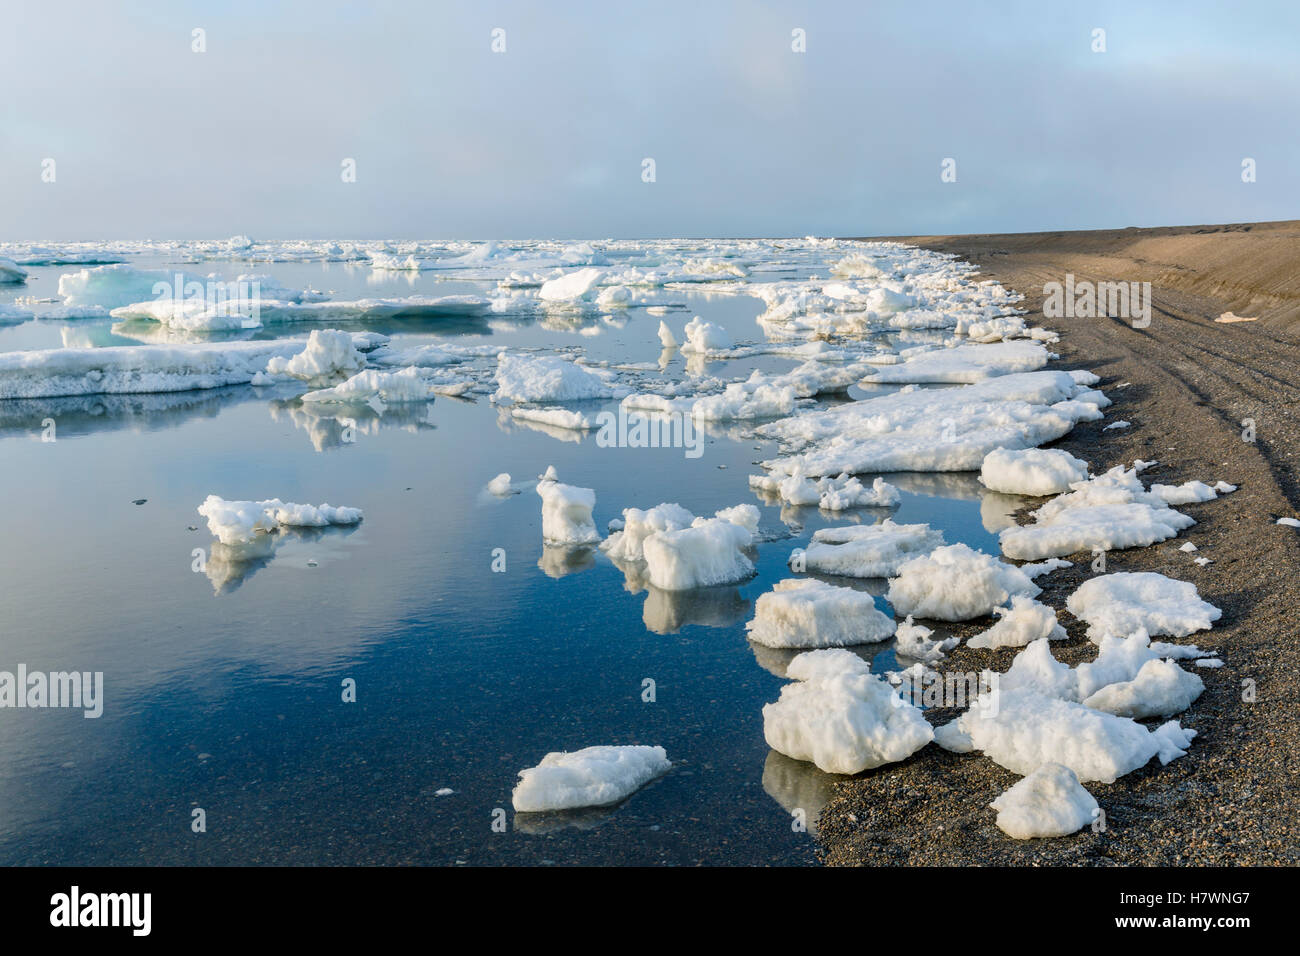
pixel 549 137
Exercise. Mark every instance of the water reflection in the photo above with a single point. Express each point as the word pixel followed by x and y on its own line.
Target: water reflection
pixel 799 786
pixel 229 566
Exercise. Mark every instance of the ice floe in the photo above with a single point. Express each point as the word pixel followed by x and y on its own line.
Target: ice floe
pixel 866 551
pixel 1031 471
pixel 591 777
pixel 1023 623
pixel 242 522
pixel 1107 512
pixel 1121 603
pixel 805 613
pixel 841 717
pixel 566 512
pixel 956 583
pixel 547 378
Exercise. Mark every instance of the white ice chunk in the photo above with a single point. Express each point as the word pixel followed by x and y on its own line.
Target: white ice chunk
pixel 841 717
pixel 545 378
pixel 1021 730
pixel 868 551
pixel 591 777
pixel 956 583
pixel 1050 802
pixel 1023 623
pixel 566 514
pixel 1123 602
pixel 329 354
pixel 1031 471
pixel 805 613
pixel 703 337
pixel 500 485
pixel 241 522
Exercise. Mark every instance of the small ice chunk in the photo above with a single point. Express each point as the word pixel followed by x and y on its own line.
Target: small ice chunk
pixel 914 642
pixel 708 553
pixel 1037 570
pixel 329 354
pixel 1123 602
pixel 866 551
pixel 1188 548
pixel 1161 688
pixel 566 514
pixel 569 287
pixel 1023 623
pixel 546 378
pixel 1289 522
pixel 1119 424
pixel 805 613
pixel 500 485
pixel 241 522
pixel 956 583
pixel 666 338
pixel 842 717
pixel 591 777
pixel 1184 494
pixel 703 337
pixel 1031 471
pixel 1050 802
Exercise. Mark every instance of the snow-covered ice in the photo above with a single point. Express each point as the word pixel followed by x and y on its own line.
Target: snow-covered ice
pixel 1023 623
pixel 868 551
pixel 566 513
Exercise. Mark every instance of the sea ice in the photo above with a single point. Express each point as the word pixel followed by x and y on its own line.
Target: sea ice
pixel 842 717
pixel 500 485
pixel 1125 601
pixel 545 378
pixel 1023 623
pixel 1050 802
pixel 805 613
pixel 566 513
pixel 704 338
pixel 956 583
pixel 1031 471
pixel 868 551
pixel 241 522
pixel 1022 729
pixel 591 777
pixel 329 355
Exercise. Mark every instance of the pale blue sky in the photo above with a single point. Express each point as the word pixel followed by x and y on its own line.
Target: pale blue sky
pixel 547 139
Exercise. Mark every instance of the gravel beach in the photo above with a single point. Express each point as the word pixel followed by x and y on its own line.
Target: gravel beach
pixel 1186 383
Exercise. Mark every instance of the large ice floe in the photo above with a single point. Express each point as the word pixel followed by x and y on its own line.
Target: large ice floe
pixel 805 613
pixel 1121 603
pixel 1050 802
pixel 956 583
pixel 243 522
pixel 591 777
pixel 47 373
pixel 841 717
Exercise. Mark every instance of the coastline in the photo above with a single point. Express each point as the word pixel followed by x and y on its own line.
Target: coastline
pixel 1186 383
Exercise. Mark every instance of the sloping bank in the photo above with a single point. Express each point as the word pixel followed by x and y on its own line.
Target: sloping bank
pixel 1186 383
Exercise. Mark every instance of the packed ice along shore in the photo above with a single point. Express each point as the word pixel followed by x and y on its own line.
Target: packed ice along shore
pixel 896 360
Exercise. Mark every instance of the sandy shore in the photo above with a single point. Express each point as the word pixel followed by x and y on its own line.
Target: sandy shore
pixel 1186 383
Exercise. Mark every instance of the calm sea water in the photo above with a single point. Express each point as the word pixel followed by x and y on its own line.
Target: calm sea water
pixel 223 689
